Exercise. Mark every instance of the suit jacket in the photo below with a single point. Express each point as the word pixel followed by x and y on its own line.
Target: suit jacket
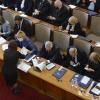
pixel 26 27
pixel 61 15
pixel 28 7
pixel 11 58
pixel 44 8
pixel 96 67
pixel 77 29
pixel 9 3
pixel 53 55
pixel 5 28
pixel 27 43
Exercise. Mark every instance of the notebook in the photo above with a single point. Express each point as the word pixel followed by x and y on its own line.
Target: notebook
pixel 59 72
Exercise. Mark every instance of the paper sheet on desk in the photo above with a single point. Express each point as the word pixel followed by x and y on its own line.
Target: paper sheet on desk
pixel 4 47
pixel 97 44
pixel 2 6
pixel 74 36
pixel 2 40
pixel 24 51
pixel 38 65
pixel 23 67
pixel 23 15
pixel 72 6
pixel 96 90
pixel 85 80
pixel 50 66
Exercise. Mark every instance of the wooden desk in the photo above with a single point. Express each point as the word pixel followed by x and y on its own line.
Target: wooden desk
pixel 45 83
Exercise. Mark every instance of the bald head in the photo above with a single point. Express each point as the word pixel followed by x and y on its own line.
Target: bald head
pixel 48 45
pixel 58 4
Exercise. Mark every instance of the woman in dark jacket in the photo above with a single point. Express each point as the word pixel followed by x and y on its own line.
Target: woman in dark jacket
pixel 11 57
pixel 92 69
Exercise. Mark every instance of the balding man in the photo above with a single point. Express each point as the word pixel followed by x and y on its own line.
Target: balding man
pixel 50 52
pixel 61 13
pixel 76 59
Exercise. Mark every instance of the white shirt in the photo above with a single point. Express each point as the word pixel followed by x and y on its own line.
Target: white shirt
pixel 22 4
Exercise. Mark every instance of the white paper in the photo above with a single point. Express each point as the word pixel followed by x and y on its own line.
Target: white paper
pixel 2 6
pixel 24 51
pixel 39 65
pixel 2 40
pixel 85 80
pixel 4 47
pixel 96 90
pixel 97 44
pixel 24 67
pixel 74 36
pixel 72 6
pixel 23 15
pixel 50 66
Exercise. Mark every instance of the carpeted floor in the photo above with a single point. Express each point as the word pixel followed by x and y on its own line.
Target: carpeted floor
pixel 26 94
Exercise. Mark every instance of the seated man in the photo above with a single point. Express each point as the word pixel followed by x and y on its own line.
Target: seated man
pixel 92 69
pixel 76 59
pixel 43 10
pixel 61 13
pixel 23 41
pixel 25 6
pixel 73 26
pixel 22 24
pixel 50 52
pixel 5 28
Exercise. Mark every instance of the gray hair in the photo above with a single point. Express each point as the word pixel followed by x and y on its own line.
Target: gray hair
pixel 48 44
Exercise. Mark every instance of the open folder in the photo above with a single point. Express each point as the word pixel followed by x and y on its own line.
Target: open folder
pixel 23 67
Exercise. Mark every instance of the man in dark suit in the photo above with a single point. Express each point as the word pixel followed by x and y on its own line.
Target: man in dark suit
pixel 22 24
pixel 9 3
pixel 43 10
pixel 76 59
pixel 61 13
pixel 26 6
pixel 50 52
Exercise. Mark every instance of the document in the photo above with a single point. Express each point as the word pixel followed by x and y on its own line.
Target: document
pixel 4 47
pixel 23 15
pixel 50 66
pixel 72 6
pixel 24 51
pixel 3 7
pixel 85 80
pixel 97 44
pixel 96 89
pixel 74 36
pixel 38 64
pixel 23 67
pixel 2 40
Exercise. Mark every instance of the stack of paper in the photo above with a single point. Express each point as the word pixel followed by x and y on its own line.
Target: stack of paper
pixel 96 89
pixel 4 47
pixel 23 67
pixel 2 40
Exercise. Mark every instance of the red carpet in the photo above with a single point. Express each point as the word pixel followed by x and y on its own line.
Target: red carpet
pixel 26 94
